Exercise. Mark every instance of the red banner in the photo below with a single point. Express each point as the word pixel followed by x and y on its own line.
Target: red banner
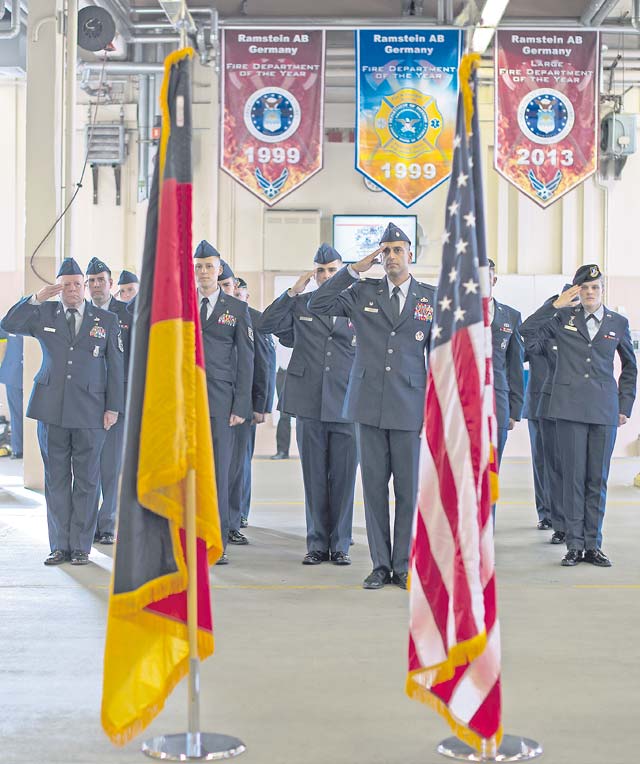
pixel 273 104
pixel 546 122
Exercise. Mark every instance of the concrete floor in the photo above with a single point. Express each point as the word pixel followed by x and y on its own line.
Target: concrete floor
pixel 309 667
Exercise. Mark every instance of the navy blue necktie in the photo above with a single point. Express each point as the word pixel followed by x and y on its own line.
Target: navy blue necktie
pixel 71 320
pixel 395 302
pixel 204 307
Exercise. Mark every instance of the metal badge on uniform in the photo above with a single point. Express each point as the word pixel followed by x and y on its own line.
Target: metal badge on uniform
pixel 226 319
pixel 98 331
pixel 96 351
pixel 419 336
pixel 612 334
pixel 503 344
pixel 306 318
pixel 353 341
pixel 572 321
pixel 371 310
pixel 250 333
pixel 120 344
pixel 423 311
pixel 49 329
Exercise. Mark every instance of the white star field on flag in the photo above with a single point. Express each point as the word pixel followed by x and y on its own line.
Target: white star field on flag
pixel 458 291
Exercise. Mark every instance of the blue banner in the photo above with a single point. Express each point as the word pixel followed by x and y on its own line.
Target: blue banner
pixel 407 92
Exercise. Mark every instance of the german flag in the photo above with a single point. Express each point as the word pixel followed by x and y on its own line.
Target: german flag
pixel 167 438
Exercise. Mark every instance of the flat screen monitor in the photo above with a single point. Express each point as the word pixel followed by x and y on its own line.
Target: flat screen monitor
pixel 355 236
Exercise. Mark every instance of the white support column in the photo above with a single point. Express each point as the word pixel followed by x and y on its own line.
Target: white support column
pixel 44 108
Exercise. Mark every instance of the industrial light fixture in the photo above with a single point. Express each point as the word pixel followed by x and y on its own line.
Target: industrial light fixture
pixel 492 13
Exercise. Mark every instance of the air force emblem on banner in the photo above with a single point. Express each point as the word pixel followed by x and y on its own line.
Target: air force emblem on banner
pixel 271 188
pixel 408 122
pixel 544 191
pixel 545 116
pixel 272 114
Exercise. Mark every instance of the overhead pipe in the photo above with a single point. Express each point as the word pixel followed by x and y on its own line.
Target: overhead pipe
pixel 118 67
pixel 604 12
pixel 143 137
pixel 14 28
pixel 590 11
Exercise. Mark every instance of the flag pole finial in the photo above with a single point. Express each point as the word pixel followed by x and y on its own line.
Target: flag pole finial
pixel 470 62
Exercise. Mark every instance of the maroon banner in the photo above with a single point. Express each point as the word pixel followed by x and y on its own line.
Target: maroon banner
pixel 546 122
pixel 273 108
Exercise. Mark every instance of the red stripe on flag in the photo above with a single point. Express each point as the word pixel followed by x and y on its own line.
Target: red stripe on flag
pixel 465 623
pixel 470 393
pixel 430 578
pixel 484 720
pixel 175 605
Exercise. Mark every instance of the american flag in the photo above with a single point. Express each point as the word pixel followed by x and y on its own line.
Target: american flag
pixel 454 636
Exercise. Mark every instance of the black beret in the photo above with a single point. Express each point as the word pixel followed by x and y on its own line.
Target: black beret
pixel 586 273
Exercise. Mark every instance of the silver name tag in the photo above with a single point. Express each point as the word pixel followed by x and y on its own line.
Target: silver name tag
pixel 49 329
pixel 306 318
pixel 570 328
pixel 371 310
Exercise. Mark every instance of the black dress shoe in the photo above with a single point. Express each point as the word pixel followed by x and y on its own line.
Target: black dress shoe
pixel 315 558
pixel 400 579
pixel 235 537
pixel 597 557
pixel 544 525
pixel 79 558
pixel 107 539
pixel 244 523
pixel 340 558
pixel 351 541
pixel 280 455
pixel 17 455
pixel 57 557
pixel 96 537
pixel 224 560
pixel 571 558
pixel 558 537
pixel 377 579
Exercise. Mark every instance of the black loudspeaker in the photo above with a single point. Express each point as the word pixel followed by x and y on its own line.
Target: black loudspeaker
pixel 96 28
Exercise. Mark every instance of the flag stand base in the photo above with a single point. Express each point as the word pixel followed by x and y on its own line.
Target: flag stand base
pixel 512 748
pixel 212 747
